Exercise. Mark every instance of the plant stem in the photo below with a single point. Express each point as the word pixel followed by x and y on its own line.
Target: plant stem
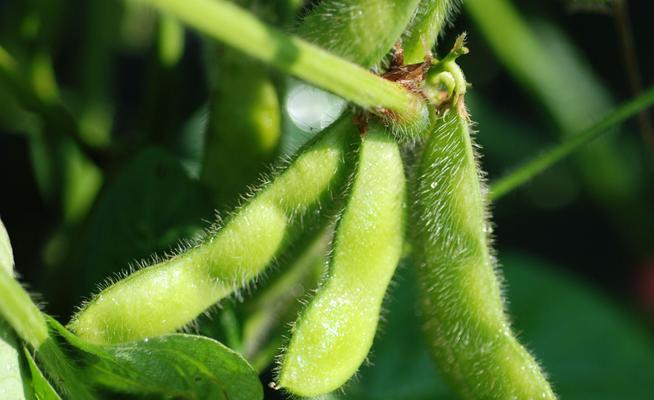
pixel 23 315
pixel 532 168
pixel 236 27
pixel 16 306
pixel 628 45
pixel 428 23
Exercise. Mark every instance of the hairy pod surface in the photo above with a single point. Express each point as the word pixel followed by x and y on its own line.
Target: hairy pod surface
pixel 166 296
pixel 362 31
pixel 468 331
pixel 410 130
pixel 334 334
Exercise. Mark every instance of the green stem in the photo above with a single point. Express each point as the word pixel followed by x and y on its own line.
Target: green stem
pixel 23 315
pixel 236 27
pixel 428 23
pixel 532 168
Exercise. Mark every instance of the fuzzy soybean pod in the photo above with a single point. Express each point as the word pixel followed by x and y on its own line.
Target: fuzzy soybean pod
pixel 362 31
pixel 244 125
pixel 334 334
pixel 166 296
pixel 468 330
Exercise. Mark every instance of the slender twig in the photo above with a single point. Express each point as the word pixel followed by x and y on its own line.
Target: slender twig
pixel 236 27
pixel 532 168
pixel 596 7
pixel 628 46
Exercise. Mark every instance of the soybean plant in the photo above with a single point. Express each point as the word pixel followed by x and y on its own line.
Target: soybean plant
pixel 256 233
pixel 377 55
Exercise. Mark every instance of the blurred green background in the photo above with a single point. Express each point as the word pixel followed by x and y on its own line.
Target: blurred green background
pixel 121 133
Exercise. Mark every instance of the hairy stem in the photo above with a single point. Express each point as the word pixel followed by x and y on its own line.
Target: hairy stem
pixel 236 27
pixel 628 46
pixel 23 315
pixel 430 19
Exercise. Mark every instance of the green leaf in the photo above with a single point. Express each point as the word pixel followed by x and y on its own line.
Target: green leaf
pixel 43 390
pixel 13 383
pixel 590 348
pixel 188 144
pixel 148 208
pixel 188 366
pixel 178 365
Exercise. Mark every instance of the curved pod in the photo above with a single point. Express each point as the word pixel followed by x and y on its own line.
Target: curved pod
pixel 334 334
pixel 244 127
pixel 468 331
pixel 166 296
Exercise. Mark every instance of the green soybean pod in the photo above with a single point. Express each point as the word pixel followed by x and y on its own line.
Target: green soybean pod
pixel 166 296
pixel 244 126
pixel 468 330
pixel 334 334
pixel 362 31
